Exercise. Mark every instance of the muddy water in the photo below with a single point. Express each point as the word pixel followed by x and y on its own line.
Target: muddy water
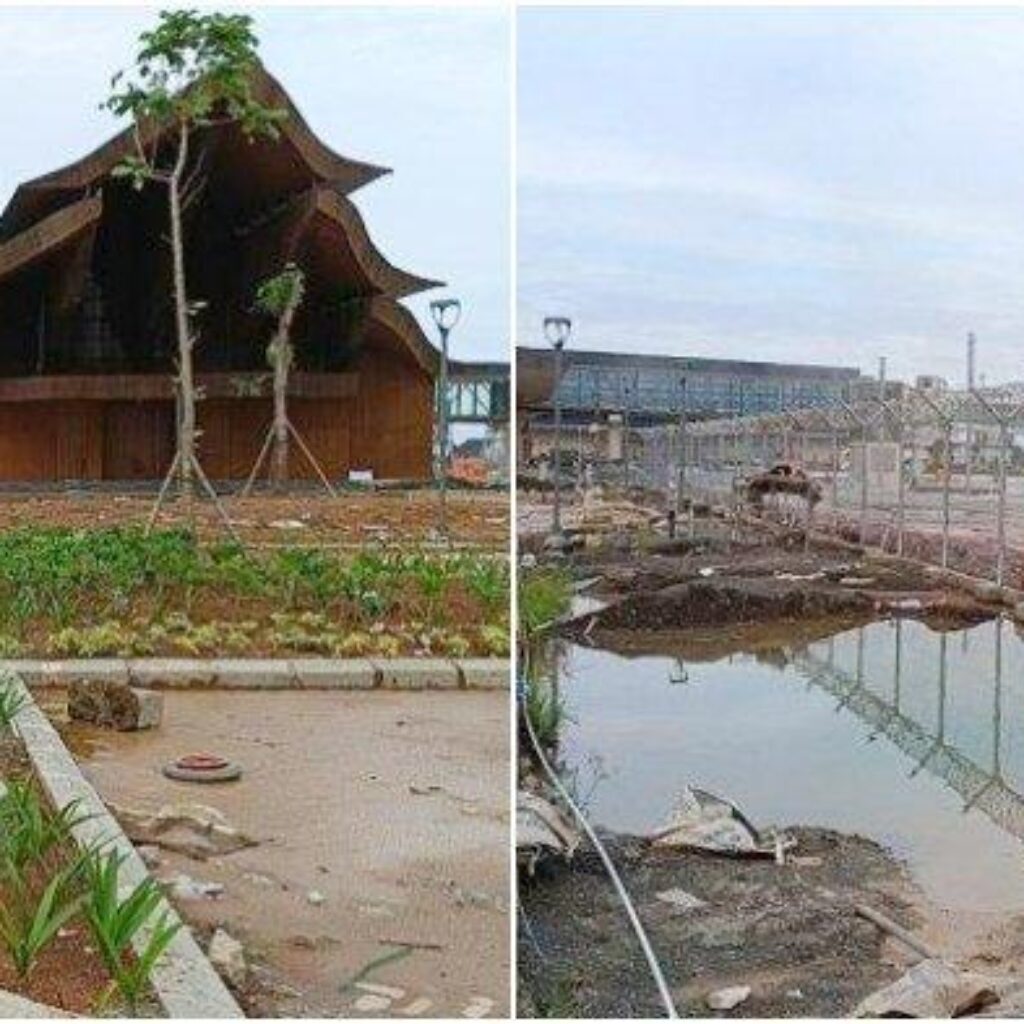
pixel 893 731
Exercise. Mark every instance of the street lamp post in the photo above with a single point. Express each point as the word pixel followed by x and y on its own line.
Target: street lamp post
pixel 446 313
pixel 556 331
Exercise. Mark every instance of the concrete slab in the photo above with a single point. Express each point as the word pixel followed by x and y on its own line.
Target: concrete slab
pixel 335 673
pixel 253 674
pixel 185 673
pixel 58 672
pixel 15 1007
pixel 417 673
pixel 484 673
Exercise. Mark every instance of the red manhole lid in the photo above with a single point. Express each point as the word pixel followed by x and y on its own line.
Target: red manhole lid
pixel 201 762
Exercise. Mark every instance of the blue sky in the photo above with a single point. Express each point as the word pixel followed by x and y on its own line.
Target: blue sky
pixel 423 91
pixel 821 185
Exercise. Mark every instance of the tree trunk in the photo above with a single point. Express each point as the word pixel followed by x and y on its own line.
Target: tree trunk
pixel 282 355
pixel 186 397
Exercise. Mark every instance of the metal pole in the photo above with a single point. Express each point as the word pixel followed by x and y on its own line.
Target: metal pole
pixel 1001 509
pixel 443 431
pixel 900 486
pixel 969 433
pixel 863 483
pixel 948 457
pixel 557 511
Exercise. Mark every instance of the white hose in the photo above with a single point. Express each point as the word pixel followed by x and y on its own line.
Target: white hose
pixel 634 920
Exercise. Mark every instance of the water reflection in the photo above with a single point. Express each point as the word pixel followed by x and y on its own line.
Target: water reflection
pixel 910 736
pixel 955 733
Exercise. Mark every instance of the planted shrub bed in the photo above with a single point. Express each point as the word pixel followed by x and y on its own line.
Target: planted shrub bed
pixel 115 591
pixel 66 936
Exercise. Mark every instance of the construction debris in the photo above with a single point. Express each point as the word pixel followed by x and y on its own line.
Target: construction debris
pixel 680 899
pixel 228 957
pixel 706 822
pixel 114 705
pixel 542 830
pixel 932 989
pixel 728 998
pixel 196 830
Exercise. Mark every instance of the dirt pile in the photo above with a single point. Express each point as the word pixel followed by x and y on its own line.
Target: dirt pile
pixel 722 602
pixel 788 931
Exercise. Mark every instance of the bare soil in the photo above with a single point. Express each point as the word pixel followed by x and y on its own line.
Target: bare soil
pixel 752 589
pixel 788 931
pixel 69 974
pixel 411 516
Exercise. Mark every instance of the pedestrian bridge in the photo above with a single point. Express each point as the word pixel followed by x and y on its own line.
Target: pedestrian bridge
pixel 479 393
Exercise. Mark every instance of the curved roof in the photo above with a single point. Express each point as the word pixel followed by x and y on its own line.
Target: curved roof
pixel 50 233
pixel 42 195
pixel 335 211
pixel 406 328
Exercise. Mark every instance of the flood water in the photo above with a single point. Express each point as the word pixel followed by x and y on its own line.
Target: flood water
pixel 908 736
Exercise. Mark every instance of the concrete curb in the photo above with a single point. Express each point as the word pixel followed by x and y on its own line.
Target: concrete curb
pixel 183 979
pixel 271 673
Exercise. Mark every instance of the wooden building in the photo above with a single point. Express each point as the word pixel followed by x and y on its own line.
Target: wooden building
pixel 86 329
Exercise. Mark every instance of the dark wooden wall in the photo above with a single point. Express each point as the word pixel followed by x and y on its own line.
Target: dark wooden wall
pixel 385 427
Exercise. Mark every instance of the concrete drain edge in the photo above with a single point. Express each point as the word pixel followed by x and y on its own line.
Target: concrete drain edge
pixel 184 980
pixel 271 673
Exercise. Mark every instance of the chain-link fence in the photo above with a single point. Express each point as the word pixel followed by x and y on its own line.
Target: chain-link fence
pixel 934 475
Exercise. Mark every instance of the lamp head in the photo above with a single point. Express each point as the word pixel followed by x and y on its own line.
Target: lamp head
pixel 556 330
pixel 446 313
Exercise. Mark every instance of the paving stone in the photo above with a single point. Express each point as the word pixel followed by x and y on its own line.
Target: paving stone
pixel 60 673
pixel 172 673
pixel 484 673
pixel 417 673
pixel 15 1007
pixel 254 674
pixel 335 673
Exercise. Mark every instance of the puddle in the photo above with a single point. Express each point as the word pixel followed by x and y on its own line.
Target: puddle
pixel 910 737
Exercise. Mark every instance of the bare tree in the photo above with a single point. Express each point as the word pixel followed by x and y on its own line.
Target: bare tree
pixel 192 71
pixel 281 296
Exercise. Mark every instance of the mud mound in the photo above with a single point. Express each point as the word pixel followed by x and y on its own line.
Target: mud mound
pixel 790 931
pixel 723 602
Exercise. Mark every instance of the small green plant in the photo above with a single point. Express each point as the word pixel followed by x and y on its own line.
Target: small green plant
pixel 29 830
pixel 115 923
pixel 544 596
pixel 495 641
pixel 30 922
pixel 13 699
pixel 546 711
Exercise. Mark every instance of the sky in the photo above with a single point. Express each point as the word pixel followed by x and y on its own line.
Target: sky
pixel 424 91
pixel 813 185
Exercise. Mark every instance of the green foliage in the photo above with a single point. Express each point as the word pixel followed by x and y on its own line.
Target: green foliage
pixel 495 641
pixel 192 69
pixel 546 711
pixel 29 921
pixel 115 923
pixel 281 292
pixel 544 596
pixel 29 830
pixel 13 699
pixel 35 900
pixel 105 592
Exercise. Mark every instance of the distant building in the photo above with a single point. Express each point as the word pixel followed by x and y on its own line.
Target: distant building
pixel 929 382
pixel 652 389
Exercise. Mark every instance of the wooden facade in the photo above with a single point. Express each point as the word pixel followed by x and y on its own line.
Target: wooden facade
pixel 86 332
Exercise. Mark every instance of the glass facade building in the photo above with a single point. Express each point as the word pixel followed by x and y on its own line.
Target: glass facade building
pixel 660 386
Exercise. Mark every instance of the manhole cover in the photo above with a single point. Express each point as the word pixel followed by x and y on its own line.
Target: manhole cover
pixel 202 768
